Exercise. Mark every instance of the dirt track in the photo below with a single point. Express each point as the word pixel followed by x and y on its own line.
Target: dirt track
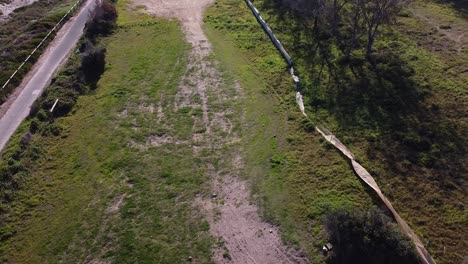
pixel 234 220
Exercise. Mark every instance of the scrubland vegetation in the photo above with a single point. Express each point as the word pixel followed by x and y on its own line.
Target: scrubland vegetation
pixel 80 188
pixel 394 94
pixel 21 33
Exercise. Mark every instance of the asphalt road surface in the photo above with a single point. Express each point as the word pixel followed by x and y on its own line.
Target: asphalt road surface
pixel 42 72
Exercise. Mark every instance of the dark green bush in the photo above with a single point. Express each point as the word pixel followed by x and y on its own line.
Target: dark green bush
pixel 34 126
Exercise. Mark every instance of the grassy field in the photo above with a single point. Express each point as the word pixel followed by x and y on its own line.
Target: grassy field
pixel 296 177
pixel 300 178
pixel 100 190
pixel 117 182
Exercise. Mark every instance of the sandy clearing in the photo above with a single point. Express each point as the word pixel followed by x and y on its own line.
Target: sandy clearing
pixel 246 238
pixel 188 12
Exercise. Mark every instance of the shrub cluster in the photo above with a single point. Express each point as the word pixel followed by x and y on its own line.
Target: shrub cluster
pixel 83 71
pixel 101 23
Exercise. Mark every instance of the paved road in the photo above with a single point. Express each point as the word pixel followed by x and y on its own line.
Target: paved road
pixel 42 72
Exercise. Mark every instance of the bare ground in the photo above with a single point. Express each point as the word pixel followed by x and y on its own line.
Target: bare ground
pixel 234 220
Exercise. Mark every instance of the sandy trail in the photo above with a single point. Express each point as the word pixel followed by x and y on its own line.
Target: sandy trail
pixel 234 220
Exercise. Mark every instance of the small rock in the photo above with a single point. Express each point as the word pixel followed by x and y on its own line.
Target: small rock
pixel 271 231
pixel 190 258
pixel 214 195
pixel 26 139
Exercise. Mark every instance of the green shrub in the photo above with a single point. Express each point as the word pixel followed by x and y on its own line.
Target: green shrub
pixel 6 232
pixel 34 126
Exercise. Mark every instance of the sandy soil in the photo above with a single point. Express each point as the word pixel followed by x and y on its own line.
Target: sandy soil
pixel 234 220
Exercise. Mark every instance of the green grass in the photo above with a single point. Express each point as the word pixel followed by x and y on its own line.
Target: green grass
pixel 102 154
pixel 62 212
pixel 298 177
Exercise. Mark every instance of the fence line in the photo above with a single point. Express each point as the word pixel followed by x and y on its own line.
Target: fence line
pixel 40 44
pixel 358 168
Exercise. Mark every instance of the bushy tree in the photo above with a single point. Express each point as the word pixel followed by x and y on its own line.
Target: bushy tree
pixel 102 20
pixel 367 237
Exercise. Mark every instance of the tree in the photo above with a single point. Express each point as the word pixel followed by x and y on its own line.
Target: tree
pixel 102 20
pixel 376 13
pixel 347 20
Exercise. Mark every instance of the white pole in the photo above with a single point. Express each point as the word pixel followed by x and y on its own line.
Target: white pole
pixel 52 109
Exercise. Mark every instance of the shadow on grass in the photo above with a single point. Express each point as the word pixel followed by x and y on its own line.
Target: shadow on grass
pixel 382 104
pixel 367 237
pixel 460 5
pixel 390 110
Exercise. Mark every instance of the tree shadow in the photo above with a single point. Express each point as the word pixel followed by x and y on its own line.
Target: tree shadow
pixel 391 110
pixel 382 103
pixel 460 5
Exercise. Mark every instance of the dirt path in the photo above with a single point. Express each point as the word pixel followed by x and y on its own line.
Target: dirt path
pixel 242 235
